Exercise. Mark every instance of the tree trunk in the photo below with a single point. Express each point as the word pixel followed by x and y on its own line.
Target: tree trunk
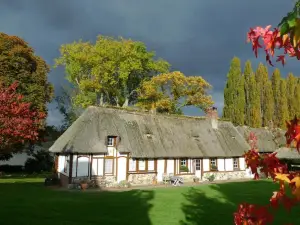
pixel 126 103
pixel 100 99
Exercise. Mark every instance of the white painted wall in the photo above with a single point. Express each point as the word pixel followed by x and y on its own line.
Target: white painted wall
pixel 61 163
pixel 74 167
pixel 221 164
pixel 229 164
pixel 122 165
pixel 205 164
pixel 242 163
pixel 170 166
pixel 160 169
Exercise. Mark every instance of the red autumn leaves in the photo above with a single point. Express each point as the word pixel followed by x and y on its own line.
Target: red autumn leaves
pixel 270 40
pixel 269 164
pixel 18 122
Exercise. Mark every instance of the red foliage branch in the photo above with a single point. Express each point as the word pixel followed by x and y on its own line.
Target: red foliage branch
pixel 271 40
pixel 270 165
pixel 18 123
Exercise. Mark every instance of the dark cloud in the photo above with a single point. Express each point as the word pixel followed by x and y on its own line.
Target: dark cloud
pixel 196 37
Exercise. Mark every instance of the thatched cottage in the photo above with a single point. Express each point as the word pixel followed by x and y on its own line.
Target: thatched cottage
pixel 113 145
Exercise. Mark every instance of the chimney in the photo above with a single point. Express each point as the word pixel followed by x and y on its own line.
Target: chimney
pixel 212 116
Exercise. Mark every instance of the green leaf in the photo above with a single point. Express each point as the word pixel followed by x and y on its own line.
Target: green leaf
pixel 292 22
pixel 284 19
pixel 284 29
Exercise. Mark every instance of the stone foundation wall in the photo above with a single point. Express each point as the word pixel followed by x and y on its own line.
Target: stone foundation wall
pixel 226 175
pixel 187 178
pixel 141 179
pixel 106 181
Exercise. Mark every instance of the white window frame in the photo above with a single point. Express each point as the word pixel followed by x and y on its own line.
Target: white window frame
pixel 183 162
pixel 132 165
pixel 152 167
pixel 112 166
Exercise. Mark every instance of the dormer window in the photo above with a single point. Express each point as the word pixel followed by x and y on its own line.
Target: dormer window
pixel 110 141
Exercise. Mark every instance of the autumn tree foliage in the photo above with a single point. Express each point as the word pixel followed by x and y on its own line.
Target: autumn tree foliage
pixel 170 92
pixel 108 71
pixel 18 62
pixel 19 123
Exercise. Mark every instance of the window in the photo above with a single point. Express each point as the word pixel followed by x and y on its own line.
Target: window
pixel 183 162
pixel 213 164
pixel 150 165
pixel 198 165
pixel 236 164
pixel 110 141
pixel 109 163
pixel 132 165
pixel 142 165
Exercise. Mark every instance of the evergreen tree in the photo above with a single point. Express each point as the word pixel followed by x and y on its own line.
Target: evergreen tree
pixel 268 104
pixel 254 97
pixel 262 78
pixel 233 97
pixel 283 113
pixel 248 72
pixel 240 102
pixel 290 94
pixel 276 94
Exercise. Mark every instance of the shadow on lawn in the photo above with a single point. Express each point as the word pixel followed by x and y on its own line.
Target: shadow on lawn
pixel 34 203
pixel 216 203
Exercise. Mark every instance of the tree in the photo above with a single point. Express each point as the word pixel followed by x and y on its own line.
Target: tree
pixel 67 108
pixel 254 98
pixel 283 113
pixel 268 104
pixel 110 71
pixel 234 97
pixel 170 92
pixel 18 122
pixel 19 63
pixel 291 100
pixel 276 93
pixel 248 72
pixel 262 78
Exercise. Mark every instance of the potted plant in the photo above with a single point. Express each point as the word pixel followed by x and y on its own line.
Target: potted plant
pixel 184 169
pixel 196 179
pixel 214 168
pixel 84 184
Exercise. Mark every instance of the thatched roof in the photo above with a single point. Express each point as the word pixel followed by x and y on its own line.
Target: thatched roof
pixel 267 140
pixel 287 153
pixel 148 135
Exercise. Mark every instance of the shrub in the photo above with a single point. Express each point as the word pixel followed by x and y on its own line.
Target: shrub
pixel 11 168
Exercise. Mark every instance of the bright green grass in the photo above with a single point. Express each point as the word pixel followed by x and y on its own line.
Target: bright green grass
pixel 27 201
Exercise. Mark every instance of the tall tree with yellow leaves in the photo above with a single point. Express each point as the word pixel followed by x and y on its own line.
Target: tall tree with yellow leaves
pixel 170 92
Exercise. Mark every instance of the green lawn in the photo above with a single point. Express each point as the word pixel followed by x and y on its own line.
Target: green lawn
pixel 27 201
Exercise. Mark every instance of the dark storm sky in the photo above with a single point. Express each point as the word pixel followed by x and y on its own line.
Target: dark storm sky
pixel 198 37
